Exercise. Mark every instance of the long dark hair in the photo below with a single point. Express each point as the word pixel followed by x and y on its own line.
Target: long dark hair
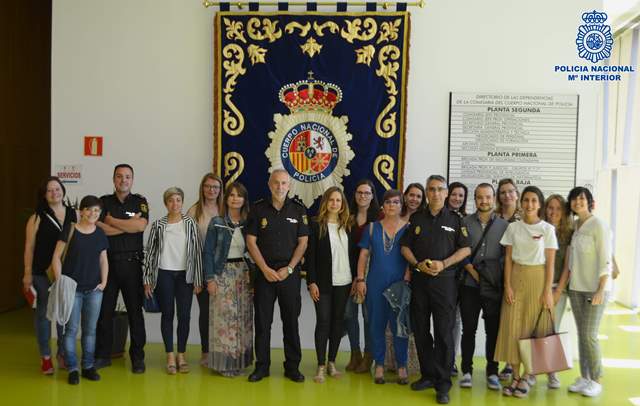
pixel 373 212
pixel 423 202
pixel 242 191
pixel 42 206
pixel 535 190
pixel 456 185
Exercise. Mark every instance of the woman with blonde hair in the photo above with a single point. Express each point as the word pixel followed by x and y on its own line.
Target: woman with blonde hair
pixel 508 201
pixel 173 265
pixel 329 276
pixel 208 206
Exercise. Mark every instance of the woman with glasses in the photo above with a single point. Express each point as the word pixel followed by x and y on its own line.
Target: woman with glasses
pixel 380 244
pixel 364 209
pixel 208 206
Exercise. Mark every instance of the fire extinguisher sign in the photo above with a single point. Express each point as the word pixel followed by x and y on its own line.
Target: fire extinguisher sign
pixel 92 145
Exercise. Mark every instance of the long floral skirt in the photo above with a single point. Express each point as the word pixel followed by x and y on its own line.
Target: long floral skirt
pixel 231 321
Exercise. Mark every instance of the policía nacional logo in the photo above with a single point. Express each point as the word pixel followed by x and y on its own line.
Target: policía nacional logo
pixel 594 39
pixel 310 143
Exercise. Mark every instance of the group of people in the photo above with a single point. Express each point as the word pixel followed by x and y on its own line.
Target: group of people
pixel 415 264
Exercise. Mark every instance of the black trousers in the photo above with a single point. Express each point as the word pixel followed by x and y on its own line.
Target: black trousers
pixel 203 319
pixel 434 296
pixel 173 292
pixel 125 275
pixel 287 292
pixel 329 321
pixel 470 305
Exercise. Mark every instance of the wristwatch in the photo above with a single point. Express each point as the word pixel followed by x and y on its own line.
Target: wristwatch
pixel 290 270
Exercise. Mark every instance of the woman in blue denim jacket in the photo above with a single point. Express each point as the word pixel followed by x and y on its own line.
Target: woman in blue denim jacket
pixel 227 274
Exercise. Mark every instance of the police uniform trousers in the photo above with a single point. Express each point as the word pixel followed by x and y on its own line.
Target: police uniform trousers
pixel 125 274
pixel 288 294
pixel 434 296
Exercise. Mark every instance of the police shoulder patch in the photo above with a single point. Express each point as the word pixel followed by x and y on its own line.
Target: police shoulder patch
pixel 144 208
pixel 305 219
pixel 418 229
pixel 464 231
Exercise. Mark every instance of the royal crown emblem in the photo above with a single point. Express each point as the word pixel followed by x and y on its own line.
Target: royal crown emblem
pixel 594 40
pixel 310 143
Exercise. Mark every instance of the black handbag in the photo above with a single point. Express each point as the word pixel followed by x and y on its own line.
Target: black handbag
pixel 151 304
pixel 491 274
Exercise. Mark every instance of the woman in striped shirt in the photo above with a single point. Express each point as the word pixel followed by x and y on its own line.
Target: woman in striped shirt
pixel 173 265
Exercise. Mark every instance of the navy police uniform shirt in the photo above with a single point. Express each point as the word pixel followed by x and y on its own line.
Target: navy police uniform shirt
pixel 435 237
pixel 277 231
pixel 133 204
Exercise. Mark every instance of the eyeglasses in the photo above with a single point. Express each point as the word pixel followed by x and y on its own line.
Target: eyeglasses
pixel 508 191
pixel 359 193
pixel 393 202
pixel 436 189
pixel 211 187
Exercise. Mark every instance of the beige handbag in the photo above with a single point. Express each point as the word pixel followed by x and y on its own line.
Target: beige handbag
pixel 546 354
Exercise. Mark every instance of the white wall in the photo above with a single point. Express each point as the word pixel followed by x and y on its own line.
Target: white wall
pixel 140 73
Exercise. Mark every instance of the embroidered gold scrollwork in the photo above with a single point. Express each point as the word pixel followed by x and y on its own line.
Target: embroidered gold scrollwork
pixel 330 25
pixel 311 47
pixel 384 165
pixel 233 161
pixel 232 65
pixel 355 30
pixel 267 29
pixel 386 126
pixel 256 54
pixel 388 69
pixel 291 27
pixel 233 121
pixel 389 31
pixel 234 30
pixel 365 54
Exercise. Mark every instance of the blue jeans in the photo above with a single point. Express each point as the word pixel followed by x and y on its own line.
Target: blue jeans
pixel 86 306
pixel 42 324
pixel 352 325
pixel 173 292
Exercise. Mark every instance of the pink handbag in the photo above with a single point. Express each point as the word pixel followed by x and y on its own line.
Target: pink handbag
pixel 546 354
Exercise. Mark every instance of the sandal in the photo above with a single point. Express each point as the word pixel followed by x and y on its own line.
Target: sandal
pixel 403 376
pixel 183 367
pixel 520 390
pixel 510 390
pixel 171 369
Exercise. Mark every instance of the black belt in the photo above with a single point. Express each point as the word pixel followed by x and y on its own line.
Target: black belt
pixel 232 260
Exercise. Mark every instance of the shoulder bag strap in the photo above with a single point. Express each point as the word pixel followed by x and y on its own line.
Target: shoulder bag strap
pixel 484 235
pixel 72 226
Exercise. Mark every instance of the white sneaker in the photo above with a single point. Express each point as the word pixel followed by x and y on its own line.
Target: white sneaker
pixel 531 379
pixel 552 381
pixel 465 381
pixel 592 389
pixel 579 385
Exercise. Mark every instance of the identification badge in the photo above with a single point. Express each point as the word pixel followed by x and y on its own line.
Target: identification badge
pixel 292 220
pixel 445 228
pixel 130 214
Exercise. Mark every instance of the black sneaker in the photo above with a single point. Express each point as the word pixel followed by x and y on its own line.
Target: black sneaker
pixel 422 384
pixel 74 378
pixel 138 367
pixel 91 374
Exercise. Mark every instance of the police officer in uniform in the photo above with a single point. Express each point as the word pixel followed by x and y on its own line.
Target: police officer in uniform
pixel 124 219
pixel 435 242
pixel 277 232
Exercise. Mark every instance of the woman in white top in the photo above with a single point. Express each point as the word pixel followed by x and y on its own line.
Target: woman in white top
pixel 589 285
pixel 530 246
pixel 208 206
pixel 173 266
pixel 329 276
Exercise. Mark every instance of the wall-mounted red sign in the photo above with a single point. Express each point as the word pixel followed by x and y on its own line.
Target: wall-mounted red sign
pixel 92 146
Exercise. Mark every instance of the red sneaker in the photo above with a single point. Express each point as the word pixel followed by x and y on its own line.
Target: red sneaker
pixel 46 366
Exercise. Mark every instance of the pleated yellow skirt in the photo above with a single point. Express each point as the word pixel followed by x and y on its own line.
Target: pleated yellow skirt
pixel 518 320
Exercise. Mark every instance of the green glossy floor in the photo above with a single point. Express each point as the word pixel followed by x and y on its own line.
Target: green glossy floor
pixel 22 383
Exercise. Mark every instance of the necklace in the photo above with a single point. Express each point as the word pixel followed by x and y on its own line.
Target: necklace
pixel 387 241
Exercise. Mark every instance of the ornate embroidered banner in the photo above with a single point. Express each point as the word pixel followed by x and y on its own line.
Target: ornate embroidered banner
pixel 322 95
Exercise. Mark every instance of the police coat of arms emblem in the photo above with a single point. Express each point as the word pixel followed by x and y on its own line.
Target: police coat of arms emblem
pixel 594 40
pixel 310 143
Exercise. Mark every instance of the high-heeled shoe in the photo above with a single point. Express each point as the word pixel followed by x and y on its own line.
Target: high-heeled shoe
pixel 332 371
pixel 320 374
